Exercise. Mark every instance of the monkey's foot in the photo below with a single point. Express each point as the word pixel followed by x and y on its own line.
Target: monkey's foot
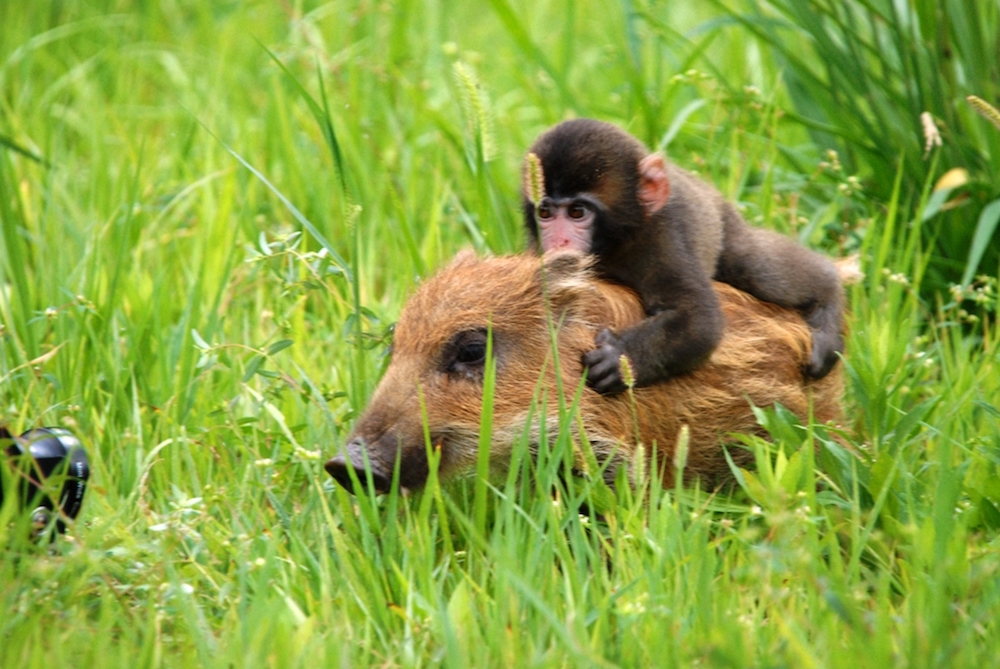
pixel 603 365
pixel 826 348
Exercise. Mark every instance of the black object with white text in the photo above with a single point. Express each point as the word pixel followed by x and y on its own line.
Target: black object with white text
pixel 37 455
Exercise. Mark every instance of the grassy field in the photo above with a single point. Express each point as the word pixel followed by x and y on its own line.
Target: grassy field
pixel 211 214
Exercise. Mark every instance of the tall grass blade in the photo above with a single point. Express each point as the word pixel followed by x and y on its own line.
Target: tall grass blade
pixel 985 227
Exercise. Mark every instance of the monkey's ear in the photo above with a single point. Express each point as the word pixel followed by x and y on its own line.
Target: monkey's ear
pixel 654 185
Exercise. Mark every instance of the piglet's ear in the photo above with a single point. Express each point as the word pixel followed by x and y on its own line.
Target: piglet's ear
pixel 565 274
pixel 654 185
pixel 562 265
pixel 464 258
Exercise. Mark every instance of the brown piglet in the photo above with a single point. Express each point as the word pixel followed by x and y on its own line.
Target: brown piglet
pixel 438 361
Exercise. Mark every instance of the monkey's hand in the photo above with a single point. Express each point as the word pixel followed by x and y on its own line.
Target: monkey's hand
pixel 603 364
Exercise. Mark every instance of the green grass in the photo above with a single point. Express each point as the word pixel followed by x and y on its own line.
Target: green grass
pixel 210 534
pixel 861 73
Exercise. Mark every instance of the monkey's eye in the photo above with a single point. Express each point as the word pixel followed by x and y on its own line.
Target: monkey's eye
pixel 577 211
pixel 466 353
pixel 544 211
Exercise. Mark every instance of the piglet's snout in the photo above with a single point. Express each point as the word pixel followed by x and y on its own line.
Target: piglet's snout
pixel 353 458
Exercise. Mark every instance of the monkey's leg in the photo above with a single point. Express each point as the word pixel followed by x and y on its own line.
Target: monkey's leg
pixel 685 327
pixel 774 268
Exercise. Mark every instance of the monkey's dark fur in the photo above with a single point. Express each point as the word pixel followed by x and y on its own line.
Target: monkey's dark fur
pixel 669 255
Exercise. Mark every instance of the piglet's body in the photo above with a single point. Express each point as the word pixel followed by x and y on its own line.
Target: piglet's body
pixel 437 349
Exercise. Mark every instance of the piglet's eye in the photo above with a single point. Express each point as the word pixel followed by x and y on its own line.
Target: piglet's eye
pixel 466 353
pixel 471 353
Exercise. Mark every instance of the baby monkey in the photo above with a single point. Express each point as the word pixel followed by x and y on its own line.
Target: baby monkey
pixel 666 234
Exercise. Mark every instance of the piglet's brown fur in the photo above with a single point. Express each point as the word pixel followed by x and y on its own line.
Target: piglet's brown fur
pixel 759 360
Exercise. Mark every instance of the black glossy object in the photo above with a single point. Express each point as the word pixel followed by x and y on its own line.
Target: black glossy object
pixel 36 455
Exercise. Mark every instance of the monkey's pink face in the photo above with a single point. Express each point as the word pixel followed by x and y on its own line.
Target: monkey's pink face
pixel 565 224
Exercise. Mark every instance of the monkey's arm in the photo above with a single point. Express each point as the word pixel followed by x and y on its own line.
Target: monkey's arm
pixel 774 268
pixel 684 326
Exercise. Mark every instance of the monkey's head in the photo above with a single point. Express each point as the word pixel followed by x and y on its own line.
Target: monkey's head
pixel 599 185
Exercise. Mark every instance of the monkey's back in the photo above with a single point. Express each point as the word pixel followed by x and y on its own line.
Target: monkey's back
pixel 696 206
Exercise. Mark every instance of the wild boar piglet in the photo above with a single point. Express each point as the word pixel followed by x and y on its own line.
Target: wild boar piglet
pixel 439 352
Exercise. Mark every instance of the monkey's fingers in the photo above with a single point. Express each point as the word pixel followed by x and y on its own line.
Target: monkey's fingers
pixel 603 372
pixel 606 338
